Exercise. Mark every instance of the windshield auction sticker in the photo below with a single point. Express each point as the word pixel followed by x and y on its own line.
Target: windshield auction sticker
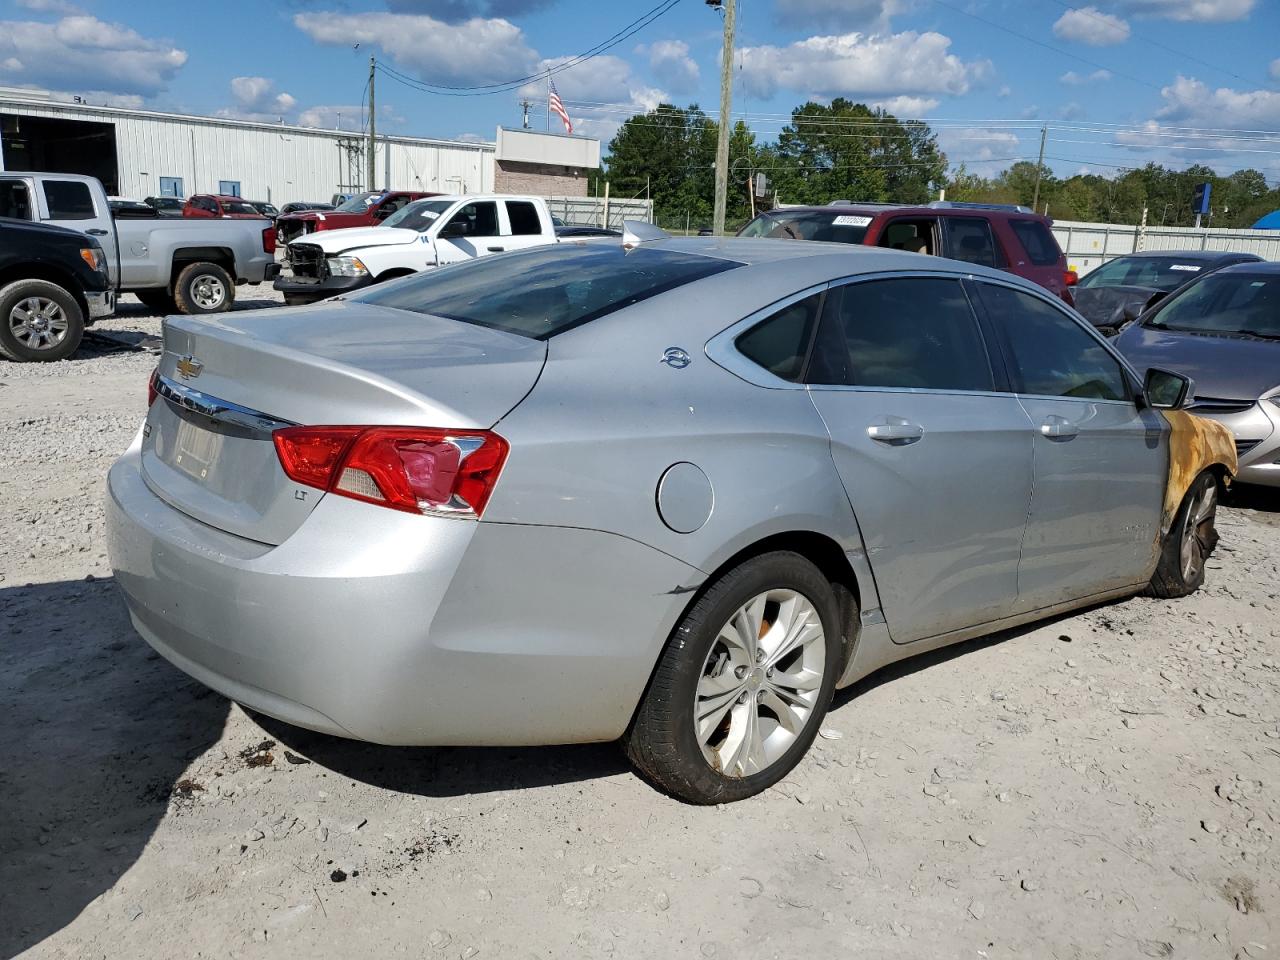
pixel 848 220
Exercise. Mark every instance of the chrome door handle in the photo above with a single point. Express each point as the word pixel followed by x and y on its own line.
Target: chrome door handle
pixel 1059 428
pixel 895 431
pixel 96 232
pixel 495 249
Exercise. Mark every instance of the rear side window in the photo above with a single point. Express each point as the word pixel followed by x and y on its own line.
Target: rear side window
pixel 524 218
pixel 779 344
pixel 68 200
pixel 546 290
pixel 969 239
pixel 15 200
pixel 1042 249
pixel 917 332
pixel 1051 355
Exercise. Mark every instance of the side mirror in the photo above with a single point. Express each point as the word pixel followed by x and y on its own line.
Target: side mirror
pixel 1165 390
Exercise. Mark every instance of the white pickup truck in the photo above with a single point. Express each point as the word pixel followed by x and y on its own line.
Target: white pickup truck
pixel 421 235
pixel 189 265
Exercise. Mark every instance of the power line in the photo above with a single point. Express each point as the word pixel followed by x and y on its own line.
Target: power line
pixel 486 89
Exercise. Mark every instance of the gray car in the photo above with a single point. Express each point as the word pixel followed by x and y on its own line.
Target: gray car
pixel 673 492
pixel 1223 331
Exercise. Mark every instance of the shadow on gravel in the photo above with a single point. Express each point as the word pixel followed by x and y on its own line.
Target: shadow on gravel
pixel 97 733
pixel 1262 502
pixel 450 771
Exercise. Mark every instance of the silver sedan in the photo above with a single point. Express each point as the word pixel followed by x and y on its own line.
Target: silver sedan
pixel 672 492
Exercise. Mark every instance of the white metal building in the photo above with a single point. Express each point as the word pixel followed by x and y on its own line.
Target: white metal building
pixel 138 153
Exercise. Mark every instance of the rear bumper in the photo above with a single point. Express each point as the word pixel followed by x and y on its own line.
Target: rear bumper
pixel 394 628
pixel 307 288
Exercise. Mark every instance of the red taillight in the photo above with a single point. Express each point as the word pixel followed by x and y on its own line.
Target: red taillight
pixel 152 391
pixel 269 240
pixel 1071 278
pixel 415 469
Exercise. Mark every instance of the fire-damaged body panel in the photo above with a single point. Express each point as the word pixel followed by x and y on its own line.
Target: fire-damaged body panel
pixel 1195 445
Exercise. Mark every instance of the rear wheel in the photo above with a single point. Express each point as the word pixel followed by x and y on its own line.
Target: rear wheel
pixel 204 288
pixel 39 321
pixel 743 683
pixel 1189 542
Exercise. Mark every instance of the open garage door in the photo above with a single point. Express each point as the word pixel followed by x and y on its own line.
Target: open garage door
pixel 55 145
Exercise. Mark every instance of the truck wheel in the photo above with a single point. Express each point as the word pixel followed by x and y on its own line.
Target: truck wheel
pixel 39 321
pixel 157 299
pixel 203 288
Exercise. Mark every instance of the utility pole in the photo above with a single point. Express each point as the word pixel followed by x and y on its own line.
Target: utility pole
pixel 373 113
pixel 726 104
pixel 525 105
pixel 1044 135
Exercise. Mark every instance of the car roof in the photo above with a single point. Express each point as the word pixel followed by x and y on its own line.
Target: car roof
pixel 915 210
pixel 1203 256
pixel 1252 268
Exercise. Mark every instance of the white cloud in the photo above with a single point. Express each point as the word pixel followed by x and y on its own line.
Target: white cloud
pixel 908 108
pixel 476 51
pixel 599 95
pixel 978 146
pixel 838 15
pixel 1191 106
pixel 860 65
pixel 256 98
pixel 1209 11
pixel 346 116
pixel 1071 111
pixel 472 138
pixel 83 51
pixel 1004 92
pixel 1275 69
pixel 1073 79
pixel 1090 25
pixel 671 64
pixel 50 6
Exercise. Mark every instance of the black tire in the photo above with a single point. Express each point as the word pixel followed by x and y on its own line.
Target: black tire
pixel 61 315
pixel 192 291
pixel 662 740
pixel 158 299
pixel 1178 575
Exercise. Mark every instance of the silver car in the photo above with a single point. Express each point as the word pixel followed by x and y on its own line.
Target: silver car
pixel 673 492
pixel 1223 330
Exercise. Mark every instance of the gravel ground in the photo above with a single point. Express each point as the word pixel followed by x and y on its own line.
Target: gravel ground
pixel 1104 785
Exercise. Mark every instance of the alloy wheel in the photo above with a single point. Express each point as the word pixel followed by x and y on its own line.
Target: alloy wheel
pixel 1195 530
pixel 760 683
pixel 38 323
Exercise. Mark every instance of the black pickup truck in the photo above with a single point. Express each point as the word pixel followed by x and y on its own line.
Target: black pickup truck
pixel 53 283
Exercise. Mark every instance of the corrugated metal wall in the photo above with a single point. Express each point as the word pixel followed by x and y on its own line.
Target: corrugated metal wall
pixel 1089 245
pixel 272 163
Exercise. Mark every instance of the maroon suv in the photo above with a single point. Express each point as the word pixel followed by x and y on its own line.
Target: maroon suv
pixel 1005 237
pixel 362 210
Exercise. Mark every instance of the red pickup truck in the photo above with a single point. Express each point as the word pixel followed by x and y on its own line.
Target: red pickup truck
pixel 218 205
pixel 362 210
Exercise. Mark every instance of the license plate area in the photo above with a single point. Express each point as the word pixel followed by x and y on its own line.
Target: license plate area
pixel 195 449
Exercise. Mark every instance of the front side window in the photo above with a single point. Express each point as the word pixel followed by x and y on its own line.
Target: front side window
pixel 15 200
pixel 546 290
pixel 68 200
pixel 524 218
pixel 969 239
pixel 915 332
pixel 474 220
pixel 780 343
pixel 1051 354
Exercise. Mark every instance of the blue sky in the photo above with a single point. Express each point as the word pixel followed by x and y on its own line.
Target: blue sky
pixel 1119 82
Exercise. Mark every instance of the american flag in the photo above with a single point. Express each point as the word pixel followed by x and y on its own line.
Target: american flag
pixel 556 106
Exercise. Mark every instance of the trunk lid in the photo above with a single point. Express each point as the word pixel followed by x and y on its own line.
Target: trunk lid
pixel 207 450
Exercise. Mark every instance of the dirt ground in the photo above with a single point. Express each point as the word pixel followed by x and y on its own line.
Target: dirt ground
pixel 1104 785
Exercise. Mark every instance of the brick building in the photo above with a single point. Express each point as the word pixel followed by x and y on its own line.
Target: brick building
pixel 543 164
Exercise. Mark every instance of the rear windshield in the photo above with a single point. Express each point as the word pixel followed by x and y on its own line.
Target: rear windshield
pixel 1042 249
pixel 829 225
pixel 547 290
pixel 1157 273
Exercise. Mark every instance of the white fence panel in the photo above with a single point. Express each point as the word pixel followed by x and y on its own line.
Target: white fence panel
pixel 1089 245
pixel 591 211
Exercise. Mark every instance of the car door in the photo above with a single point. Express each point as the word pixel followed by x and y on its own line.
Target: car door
pixel 471 231
pixel 524 226
pixel 1100 462
pixel 72 204
pixel 933 451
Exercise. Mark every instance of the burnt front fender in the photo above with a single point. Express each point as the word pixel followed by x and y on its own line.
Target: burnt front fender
pixel 1195 445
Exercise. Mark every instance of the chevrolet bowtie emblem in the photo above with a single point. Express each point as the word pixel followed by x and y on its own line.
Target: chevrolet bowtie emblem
pixel 189 367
